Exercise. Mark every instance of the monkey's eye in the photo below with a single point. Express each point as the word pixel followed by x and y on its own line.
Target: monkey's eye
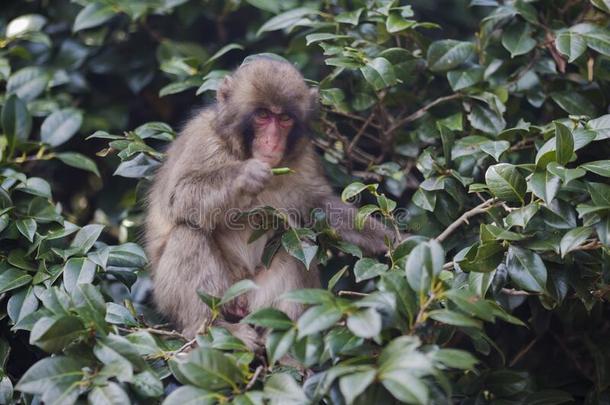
pixel 285 117
pixel 262 114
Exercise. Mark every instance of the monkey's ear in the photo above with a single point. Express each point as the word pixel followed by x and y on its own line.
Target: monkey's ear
pixel 224 90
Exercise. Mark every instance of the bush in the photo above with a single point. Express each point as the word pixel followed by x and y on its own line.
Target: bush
pixel 480 130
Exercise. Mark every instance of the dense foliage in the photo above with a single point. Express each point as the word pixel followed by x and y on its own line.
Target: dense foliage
pixel 479 131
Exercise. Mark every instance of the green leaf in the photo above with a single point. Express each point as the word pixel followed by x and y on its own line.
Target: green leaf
pixel 36 186
pixel 147 384
pixel 601 167
pixel 495 148
pixel 566 175
pixel 600 193
pixel 486 120
pixel 546 154
pixel 27 227
pixel 483 258
pixel 273 6
pixel 356 188
pixel 526 269
pixel 109 394
pixel 564 143
pixel 416 392
pixel 425 199
pixel 78 271
pixel 517 39
pixel 78 161
pixel 505 182
pixel 379 73
pixel 279 343
pixel 86 237
pixel 318 318
pixel 237 289
pixel 90 306
pixel 603 5
pixel 573 103
pixel 55 379
pixel 455 358
pixel 225 49
pixel 571 44
pixel 16 120
pixel 11 278
pixel 599 40
pixel 323 36
pixel 269 318
pixel 119 315
pixel 189 395
pixel 544 185
pixel 210 369
pixel 303 250
pixel 424 264
pixel 573 239
pixel 454 318
pixel 24 24
pixel 28 83
pixel 601 126
pixel 366 323
pixel 60 126
pixel 349 17
pixel 92 15
pixel 53 334
pixel 309 296
pixel 355 384
pixel 281 388
pixel 368 268
pixel 447 54
pixel 178 87
pixel 396 22
pixel 287 19
pixel 461 79
pixel 363 213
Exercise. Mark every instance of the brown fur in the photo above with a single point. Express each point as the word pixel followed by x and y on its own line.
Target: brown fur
pixel 207 173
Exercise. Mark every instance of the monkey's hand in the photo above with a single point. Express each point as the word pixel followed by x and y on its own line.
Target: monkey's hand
pixel 254 176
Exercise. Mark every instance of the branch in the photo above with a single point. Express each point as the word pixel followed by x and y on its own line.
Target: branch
pixel 252 381
pixel 160 332
pixel 518 293
pixel 419 113
pixel 479 209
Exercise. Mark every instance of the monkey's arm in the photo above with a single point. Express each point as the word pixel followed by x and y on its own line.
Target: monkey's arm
pixel 201 198
pixel 342 217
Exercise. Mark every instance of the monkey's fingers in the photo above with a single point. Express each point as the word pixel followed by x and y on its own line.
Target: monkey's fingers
pixel 278 171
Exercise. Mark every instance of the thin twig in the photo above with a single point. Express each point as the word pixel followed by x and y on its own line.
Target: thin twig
pixel 479 209
pixel 593 245
pixel 185 346
pixel 351 293
pixel 160 332
pixel 252 381
pixel 360 133
pixel 419 113
pixel 518 293
pixel 523 352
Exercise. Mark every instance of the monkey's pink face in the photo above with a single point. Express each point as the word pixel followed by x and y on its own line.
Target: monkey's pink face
pixel 271 130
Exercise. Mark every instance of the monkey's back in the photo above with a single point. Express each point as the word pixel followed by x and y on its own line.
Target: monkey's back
pixel 191 150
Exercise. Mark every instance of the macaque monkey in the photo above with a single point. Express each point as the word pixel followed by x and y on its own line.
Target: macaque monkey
pixel 222 162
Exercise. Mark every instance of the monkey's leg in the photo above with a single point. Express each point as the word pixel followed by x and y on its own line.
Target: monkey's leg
pixel 192 261
pixel 284 274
